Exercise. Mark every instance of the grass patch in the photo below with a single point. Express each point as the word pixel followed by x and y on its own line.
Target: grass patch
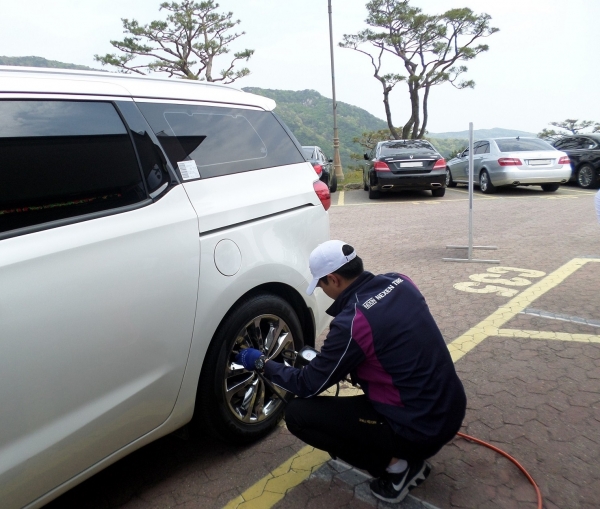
pixel 353 177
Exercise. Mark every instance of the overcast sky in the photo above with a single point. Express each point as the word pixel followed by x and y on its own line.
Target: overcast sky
pixel 542 65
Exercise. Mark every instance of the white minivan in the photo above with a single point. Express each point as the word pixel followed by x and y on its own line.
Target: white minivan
pixel 149 228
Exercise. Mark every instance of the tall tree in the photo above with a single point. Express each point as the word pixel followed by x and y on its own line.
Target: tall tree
pixel 430 48
pixel 185 45
pixel 568 127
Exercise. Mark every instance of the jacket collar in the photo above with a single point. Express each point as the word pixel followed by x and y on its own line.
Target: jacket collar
pixel 342 300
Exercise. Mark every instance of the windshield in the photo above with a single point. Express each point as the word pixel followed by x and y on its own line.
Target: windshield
pixel 308 152
pixel 523 145
pixel 394 147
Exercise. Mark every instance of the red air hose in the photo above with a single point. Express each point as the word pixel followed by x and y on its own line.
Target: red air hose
pixel 508 456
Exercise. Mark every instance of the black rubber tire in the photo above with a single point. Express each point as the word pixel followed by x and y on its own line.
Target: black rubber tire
pixel 587 177
pixel 550 188
pixel 438 192
pixel 374 195
pixel 449 181
pixel 212 412
pixel 485 183
pixel 333 187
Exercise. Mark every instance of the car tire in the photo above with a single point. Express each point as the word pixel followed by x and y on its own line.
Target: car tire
pixel 333 187
pixel 449 181
pixel 550 188
pixel 485 183
pixel 249 409
pixel 373 195
pixel 438 192
pixel 586 177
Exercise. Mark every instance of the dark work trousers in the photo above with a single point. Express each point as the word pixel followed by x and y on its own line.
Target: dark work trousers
pixel 350 429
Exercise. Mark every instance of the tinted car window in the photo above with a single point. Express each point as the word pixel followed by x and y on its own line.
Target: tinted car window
pixel 482 148
pixel 391 148
pixel 61 159
pixel 523 145
pixel 308 152
pixel 220 141
pixel 588 143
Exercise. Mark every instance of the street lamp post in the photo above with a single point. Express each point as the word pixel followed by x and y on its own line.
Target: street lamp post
pixel 337 164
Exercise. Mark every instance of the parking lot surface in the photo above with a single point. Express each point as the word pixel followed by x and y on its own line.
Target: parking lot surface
pixel 525 336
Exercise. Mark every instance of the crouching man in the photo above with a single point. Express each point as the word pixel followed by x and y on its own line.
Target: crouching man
pixel 384 336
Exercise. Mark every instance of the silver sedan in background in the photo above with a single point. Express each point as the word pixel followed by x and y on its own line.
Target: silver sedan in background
pixel 511 162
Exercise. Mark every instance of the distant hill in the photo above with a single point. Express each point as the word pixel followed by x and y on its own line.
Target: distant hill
pixel 310 117
pixel 496 132
pixel 42 62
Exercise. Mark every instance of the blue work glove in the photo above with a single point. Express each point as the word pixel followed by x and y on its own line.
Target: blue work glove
pixel 247 358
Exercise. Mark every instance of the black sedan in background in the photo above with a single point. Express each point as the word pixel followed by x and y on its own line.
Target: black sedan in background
pixel 584 153
pixel 404 164
pixel 322 164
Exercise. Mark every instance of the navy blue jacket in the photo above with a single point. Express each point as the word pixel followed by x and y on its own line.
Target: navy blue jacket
pixel 384 334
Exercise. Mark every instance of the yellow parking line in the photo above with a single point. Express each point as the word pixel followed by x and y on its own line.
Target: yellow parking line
pixel 589 192
pixel 491 325
pixel 559 336
pixel 272 488
pixel 340 202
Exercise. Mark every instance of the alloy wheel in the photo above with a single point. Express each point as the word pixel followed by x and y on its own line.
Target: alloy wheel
pixel 483 182
pixel 585 176
pixel 248 398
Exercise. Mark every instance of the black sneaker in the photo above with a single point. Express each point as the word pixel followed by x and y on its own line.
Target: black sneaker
pixel 394 487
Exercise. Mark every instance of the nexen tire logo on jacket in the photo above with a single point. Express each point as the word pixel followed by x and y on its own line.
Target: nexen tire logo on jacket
pixel 371 302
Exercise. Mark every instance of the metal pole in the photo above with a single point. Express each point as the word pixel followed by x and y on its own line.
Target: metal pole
pixel 470 250
pixel 470 246
pixel 337 164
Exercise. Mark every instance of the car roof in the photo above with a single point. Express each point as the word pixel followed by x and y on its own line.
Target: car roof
pixel 66 81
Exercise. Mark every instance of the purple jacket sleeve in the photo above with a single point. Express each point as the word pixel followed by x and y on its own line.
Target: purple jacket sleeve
pixel 339 355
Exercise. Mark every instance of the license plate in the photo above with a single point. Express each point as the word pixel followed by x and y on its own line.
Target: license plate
pixel 411 165
pixel 539 162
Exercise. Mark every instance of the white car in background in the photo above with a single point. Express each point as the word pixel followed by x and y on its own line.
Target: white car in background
pixel 149 229
pixel 511 162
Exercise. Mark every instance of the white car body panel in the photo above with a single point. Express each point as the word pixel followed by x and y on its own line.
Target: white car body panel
pixel 82 308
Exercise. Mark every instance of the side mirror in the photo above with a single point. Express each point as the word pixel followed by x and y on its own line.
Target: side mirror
pixel 330 161
pixel 366 156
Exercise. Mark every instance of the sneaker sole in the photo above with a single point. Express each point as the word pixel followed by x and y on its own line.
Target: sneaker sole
pixel 417 480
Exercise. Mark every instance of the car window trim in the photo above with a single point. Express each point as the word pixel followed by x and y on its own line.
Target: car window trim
pixel 73 220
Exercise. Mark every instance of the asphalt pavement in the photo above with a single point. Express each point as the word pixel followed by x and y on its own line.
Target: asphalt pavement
pixel 525 337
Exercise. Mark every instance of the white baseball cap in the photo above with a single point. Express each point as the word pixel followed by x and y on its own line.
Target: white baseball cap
pixel 325 259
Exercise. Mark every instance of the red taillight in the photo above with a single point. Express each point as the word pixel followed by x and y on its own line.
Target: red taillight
pixel 564 160
pixel 439 164
pixel 318 168
pixel 509 161
pixel 381 166
pixel 323 193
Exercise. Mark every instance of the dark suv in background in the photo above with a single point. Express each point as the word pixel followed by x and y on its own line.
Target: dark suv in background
pixel 322 164
pixel 584 152
pixel 404 164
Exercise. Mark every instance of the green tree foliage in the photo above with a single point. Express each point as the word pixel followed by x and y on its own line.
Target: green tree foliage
pixel 448 147
pixel 430 48
pixel 185 45
pixel 310 117
pixel 568 127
